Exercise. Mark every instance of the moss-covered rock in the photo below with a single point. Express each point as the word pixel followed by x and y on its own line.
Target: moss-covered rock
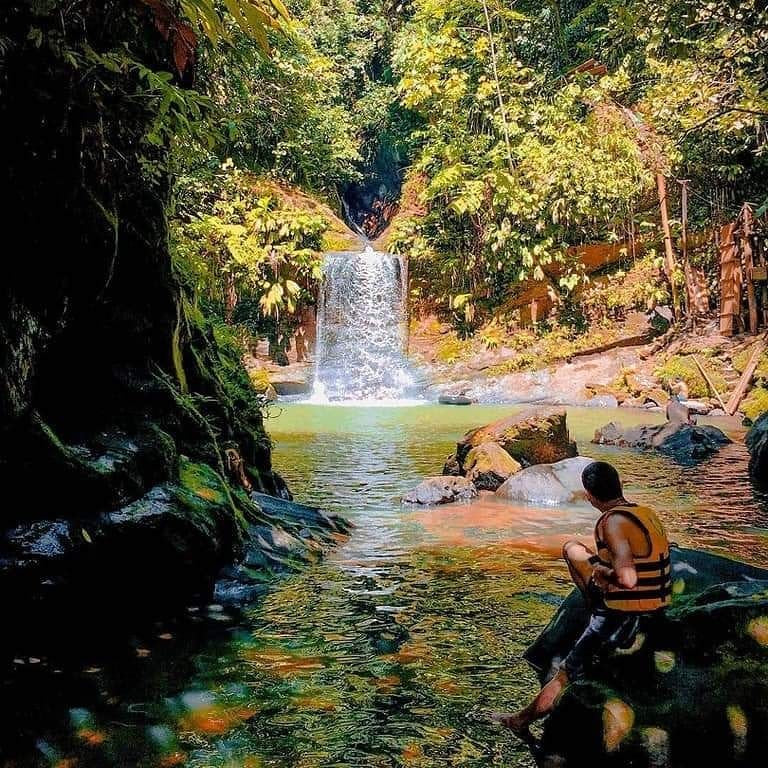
pixel 534 436
pixel 108 369
pixel 488 465
pixel 684 368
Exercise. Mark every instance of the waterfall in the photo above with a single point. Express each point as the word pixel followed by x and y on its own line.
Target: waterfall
pixel 362 329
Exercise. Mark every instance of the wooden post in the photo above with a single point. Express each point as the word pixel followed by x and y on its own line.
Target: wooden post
pixel 670 262
pixel 690 286
pixel 747 225
pixel 712 387
pixel 730 281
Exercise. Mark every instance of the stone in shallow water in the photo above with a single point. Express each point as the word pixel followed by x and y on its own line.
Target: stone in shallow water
pixel 454 400
pixel 685 443
pixel 552 484
pixel 534 436
pixel 441 489
pixel 602 401
pixel 489 465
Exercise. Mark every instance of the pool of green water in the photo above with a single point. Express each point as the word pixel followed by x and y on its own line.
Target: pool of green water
pixel 390 650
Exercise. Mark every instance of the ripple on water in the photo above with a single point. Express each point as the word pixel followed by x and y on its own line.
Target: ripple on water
pixel 388 652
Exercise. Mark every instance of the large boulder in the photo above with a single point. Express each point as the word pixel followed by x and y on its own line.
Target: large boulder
pixel 157 551
pixel 551 484
pixel 489 465
pixel 757 443
pixel 693 690
pixel 534 436
pixel 686 443
pixel 441 489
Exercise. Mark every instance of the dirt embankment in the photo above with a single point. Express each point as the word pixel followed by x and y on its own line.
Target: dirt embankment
pixel 625 364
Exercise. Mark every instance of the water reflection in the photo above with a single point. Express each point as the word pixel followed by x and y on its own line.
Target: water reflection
pixel 386 653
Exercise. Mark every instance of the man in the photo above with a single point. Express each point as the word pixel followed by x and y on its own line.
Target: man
pixel 627 577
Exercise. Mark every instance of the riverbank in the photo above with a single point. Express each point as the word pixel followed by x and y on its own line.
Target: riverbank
pixel 389 649
pixel 628 365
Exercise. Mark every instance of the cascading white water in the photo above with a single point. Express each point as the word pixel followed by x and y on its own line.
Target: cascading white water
pixel 362 329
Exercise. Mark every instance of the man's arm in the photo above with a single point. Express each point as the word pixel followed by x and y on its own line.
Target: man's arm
pixel 624 573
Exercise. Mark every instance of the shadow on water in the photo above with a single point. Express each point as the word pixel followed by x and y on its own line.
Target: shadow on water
pixel 385 654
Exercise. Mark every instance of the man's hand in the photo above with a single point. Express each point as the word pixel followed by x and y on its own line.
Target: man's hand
pixel 616 537
pixel 603 576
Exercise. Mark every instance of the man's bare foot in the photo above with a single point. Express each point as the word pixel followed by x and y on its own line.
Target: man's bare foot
pixel 515 722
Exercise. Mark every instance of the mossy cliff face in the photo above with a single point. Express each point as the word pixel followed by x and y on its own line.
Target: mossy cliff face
pixel 111 384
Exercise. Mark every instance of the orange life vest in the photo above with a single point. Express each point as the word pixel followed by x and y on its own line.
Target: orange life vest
pixel 653 590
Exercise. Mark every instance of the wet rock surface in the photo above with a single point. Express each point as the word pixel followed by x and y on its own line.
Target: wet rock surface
pixel 685 443
pixel 489 465
pixel 455 400
pixel 558 483
pixel 757 444
pixel 159 550
pixel 635 708
pixel 287 535
pixel 534 436
pixel 441 489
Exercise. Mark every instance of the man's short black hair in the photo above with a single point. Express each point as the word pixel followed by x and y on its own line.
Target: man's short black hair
pixel 602 480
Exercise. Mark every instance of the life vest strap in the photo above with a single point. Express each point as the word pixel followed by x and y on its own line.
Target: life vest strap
pixel 646 567
pixel 630 594
pixel 652 581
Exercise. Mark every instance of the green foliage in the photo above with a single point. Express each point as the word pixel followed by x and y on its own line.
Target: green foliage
pixel 639 286
pixel 240 245
pixel 755 403
pixel 259 379
pixel 451 349
pixel 741 360
pixel 517 167
pixel 685 369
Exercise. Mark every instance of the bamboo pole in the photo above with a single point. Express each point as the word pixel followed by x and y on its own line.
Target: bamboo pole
pixel 670 262
pixel 711 386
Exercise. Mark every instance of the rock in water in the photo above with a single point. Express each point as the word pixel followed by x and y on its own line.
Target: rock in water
pixel 691 691
pixel 534 436
pixel 757 443
pixel 550 484
pixel 489 465
pixel 441 489
pixel 454 400
pixel 685 443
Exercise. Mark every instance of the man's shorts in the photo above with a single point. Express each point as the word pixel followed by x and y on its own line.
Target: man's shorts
pixel 606 632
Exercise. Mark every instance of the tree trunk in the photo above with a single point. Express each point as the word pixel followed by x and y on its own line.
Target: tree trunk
pixel 670 263
pixel 730 281
pixel 746 249
pixel 499 97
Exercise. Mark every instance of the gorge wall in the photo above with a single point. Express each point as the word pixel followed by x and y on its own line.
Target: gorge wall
pixel 129 437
